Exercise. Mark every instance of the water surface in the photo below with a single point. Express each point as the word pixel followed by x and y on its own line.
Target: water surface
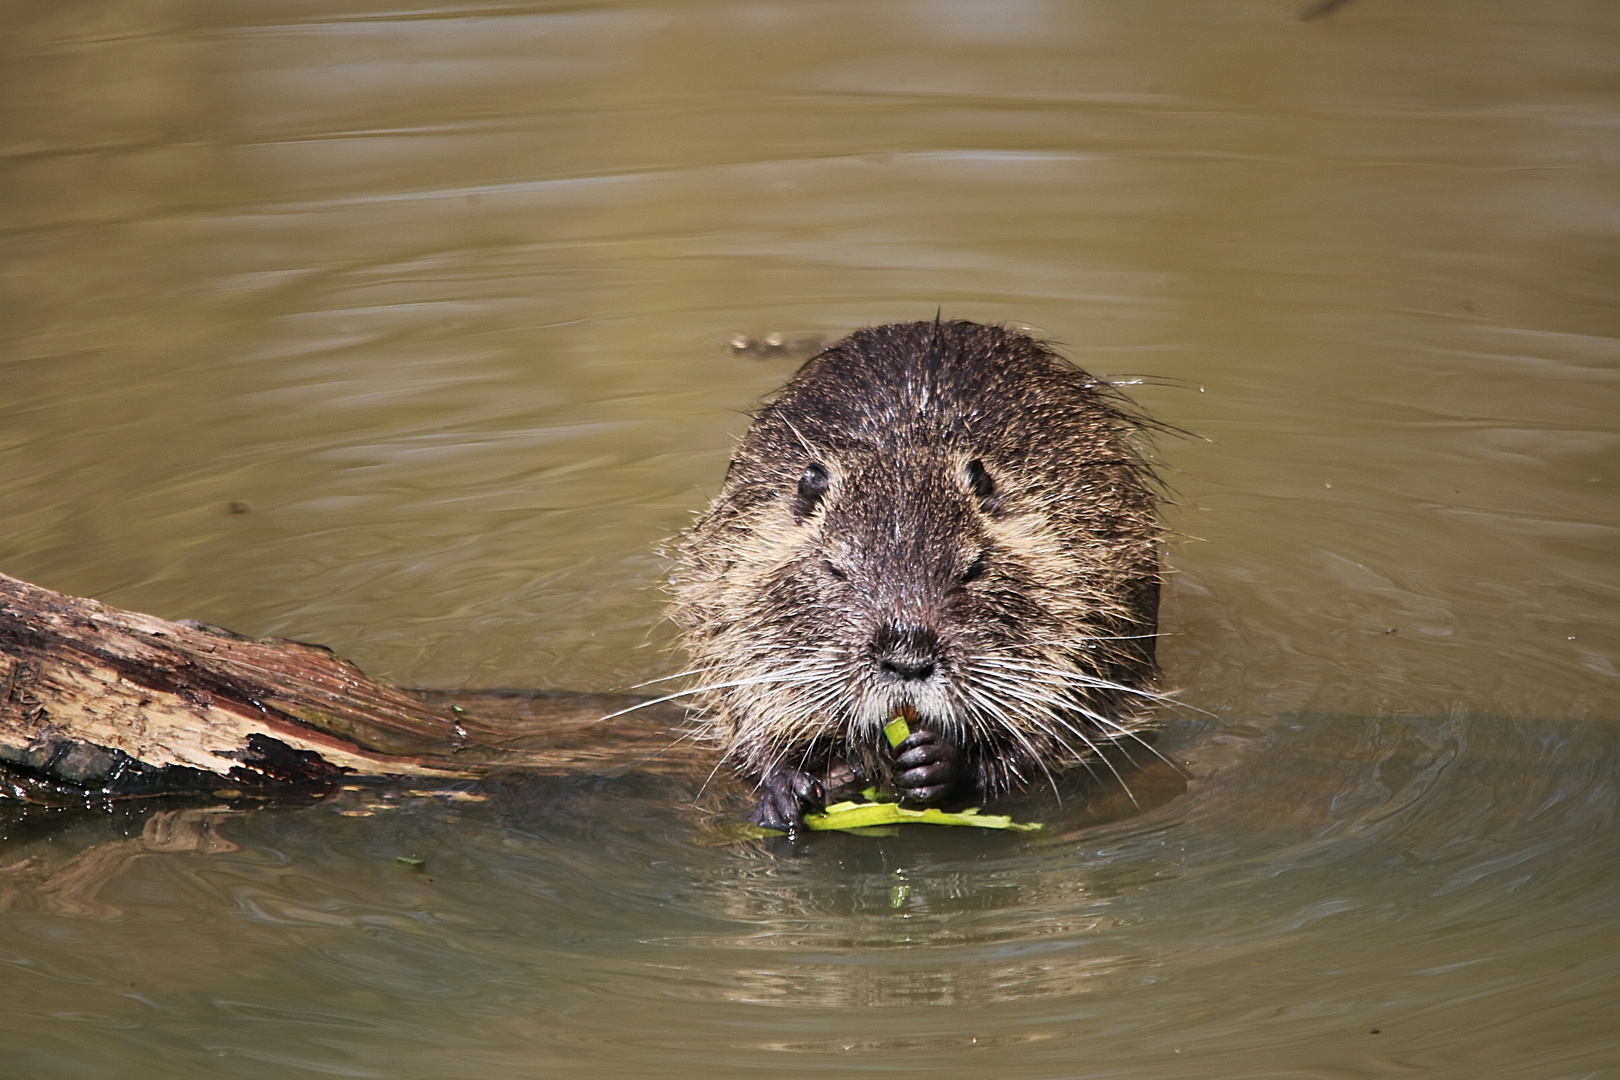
pixel 406 330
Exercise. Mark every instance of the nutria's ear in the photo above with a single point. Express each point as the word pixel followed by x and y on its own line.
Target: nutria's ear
pixel 813 484
pixel 983 486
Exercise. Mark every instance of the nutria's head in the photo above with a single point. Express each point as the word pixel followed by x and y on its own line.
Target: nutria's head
pixel 944 516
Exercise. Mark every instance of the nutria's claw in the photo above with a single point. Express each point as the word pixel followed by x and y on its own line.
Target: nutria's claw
pixel 784 795
pixel 927 767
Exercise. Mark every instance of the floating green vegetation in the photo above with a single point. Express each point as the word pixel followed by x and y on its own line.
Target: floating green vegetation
pixel 864 815
pixel 875 816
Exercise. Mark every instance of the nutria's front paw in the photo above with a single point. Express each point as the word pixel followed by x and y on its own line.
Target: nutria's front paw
pixel 926 767
pixel 783 796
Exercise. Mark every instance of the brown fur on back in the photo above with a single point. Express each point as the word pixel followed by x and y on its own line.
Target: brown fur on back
pixel 981 513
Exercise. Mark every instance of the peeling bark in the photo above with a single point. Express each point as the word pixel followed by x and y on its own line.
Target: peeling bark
pixel 100 703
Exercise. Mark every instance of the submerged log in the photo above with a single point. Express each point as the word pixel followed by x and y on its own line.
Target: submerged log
pixel 103 704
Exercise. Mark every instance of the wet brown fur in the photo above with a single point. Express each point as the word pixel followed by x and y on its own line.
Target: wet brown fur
pixel 982 516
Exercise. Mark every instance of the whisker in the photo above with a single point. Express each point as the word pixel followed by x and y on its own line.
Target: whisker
pixel 1019 694
pixel 1070 677
pixel 709 779
pixel 667 678
pixel 1124 732
pixel 704 689
pixel 1062 676
pixel 1112 727
pixel 997 715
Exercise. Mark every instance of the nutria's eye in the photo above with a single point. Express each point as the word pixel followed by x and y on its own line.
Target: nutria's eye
pixel 813 484
pixel 976 571
pixel 835 572
pixel 983 486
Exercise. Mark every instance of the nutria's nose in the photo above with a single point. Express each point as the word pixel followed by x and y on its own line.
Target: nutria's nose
pixel 905 652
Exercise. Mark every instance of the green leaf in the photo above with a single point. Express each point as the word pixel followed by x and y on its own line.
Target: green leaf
pixel 896 731
pixel 851 815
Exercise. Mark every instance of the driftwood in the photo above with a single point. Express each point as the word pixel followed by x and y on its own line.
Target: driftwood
pixel 101 704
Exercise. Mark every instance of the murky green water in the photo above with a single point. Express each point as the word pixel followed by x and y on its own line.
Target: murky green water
pixel 405 330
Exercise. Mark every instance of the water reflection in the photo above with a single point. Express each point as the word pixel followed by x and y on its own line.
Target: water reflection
pixel 1326 876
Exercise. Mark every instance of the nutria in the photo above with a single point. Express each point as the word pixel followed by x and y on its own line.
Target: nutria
pixel 942 520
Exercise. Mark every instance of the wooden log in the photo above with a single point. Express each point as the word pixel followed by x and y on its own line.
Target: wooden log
pixel 104 704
